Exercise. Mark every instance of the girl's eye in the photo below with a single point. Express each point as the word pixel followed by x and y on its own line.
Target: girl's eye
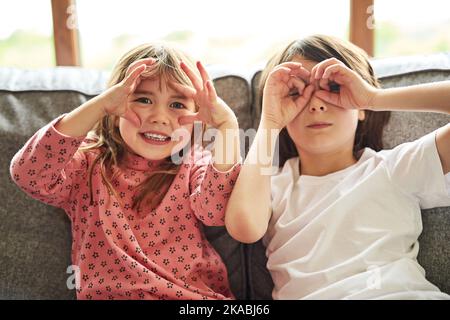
pixel 144 100
pixel 293 93
pixel 177 105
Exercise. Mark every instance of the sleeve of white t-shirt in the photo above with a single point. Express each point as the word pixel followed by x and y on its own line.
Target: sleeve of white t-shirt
pixel 416 168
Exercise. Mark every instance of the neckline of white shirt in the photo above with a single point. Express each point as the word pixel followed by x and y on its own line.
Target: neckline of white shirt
pixel 306 179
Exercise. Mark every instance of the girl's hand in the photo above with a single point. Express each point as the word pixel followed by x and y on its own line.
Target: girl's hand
pixel 116 99
pixel 285 94
pixel 353 93
pixel 212 110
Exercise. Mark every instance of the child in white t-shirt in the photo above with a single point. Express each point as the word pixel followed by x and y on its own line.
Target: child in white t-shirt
pixel 340 218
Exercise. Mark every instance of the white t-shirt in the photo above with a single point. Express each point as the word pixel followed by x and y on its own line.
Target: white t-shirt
pixel 353 234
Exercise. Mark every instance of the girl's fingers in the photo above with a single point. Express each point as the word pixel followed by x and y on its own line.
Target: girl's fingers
pixel 281 73
pixel 302 101
pixel 192 76
pixel 131 78
pixel 211 91
pixel 185 90
pixel 323 84
pixel 203 72
pixel 333 69
pixel 301 72
pixel 189 119
pixel 137 63
pixel 297 83
pixel 325 64
pixel 328 96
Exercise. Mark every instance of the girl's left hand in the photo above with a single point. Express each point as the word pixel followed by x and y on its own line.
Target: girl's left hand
pixel 212 109
pixel 354 92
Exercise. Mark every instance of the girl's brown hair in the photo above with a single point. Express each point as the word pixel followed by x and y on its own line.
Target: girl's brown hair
pixel 318 48
pixel 106 134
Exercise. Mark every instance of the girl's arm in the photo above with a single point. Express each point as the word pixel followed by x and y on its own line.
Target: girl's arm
pixel 430 97
pixel 249 207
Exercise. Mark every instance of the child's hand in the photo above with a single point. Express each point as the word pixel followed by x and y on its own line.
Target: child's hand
pixel 286 93
pixel 115 100
pixel 354 92
pixel 212 109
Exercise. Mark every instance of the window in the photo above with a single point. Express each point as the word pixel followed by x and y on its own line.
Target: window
pixel 233 32
pixel 26 34
pixel 408 27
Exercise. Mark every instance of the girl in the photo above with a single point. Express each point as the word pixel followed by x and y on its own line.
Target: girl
pixel 135 210
pixel 342 217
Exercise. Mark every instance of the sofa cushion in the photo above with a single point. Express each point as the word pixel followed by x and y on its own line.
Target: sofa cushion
pixel 35 241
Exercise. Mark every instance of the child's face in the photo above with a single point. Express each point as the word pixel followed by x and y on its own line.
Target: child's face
pixel 322 127
pixel 158 105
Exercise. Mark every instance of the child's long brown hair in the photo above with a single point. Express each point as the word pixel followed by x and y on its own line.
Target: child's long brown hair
pixel 318 48
pixel 106 134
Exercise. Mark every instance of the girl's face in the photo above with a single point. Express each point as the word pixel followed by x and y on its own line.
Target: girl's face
pixel 322 127
pixel 158 105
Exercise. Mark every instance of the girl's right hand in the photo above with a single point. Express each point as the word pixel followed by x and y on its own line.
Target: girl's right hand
pixel 285 94
pixel 115 100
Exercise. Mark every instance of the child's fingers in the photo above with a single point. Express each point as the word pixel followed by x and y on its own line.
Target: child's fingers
pixel 333 69
pixel 303 100
pixel 301 72
pixel 137 63
pixel 189 119
pixel 192 76
pixel 131 78
pixel 211 91
pixel 295 82
pixel 280 74
pixel 203 72
pixel 186 91
pixel 325 64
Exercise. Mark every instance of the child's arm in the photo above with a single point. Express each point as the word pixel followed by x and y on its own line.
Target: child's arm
pixel 430 97
pixel 249 208
pixel 355 93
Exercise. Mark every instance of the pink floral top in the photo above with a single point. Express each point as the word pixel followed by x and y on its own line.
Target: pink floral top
pixel 122 254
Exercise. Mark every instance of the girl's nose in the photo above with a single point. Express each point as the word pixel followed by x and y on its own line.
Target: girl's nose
pixel 157 115
pixel 317 105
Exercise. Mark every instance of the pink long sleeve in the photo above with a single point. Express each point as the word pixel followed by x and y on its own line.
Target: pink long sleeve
pixel 210 190
pixel 48 167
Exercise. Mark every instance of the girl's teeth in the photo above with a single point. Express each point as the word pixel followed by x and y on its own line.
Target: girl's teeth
pixel 155 136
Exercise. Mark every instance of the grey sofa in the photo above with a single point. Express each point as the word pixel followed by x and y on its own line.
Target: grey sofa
pixel 35 239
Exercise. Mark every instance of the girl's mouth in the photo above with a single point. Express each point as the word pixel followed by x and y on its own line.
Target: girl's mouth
pixel 155 138
pixel 319 125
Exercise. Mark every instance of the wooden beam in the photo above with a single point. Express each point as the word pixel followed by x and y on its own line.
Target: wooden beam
pixel 65 33
pixel 362 24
